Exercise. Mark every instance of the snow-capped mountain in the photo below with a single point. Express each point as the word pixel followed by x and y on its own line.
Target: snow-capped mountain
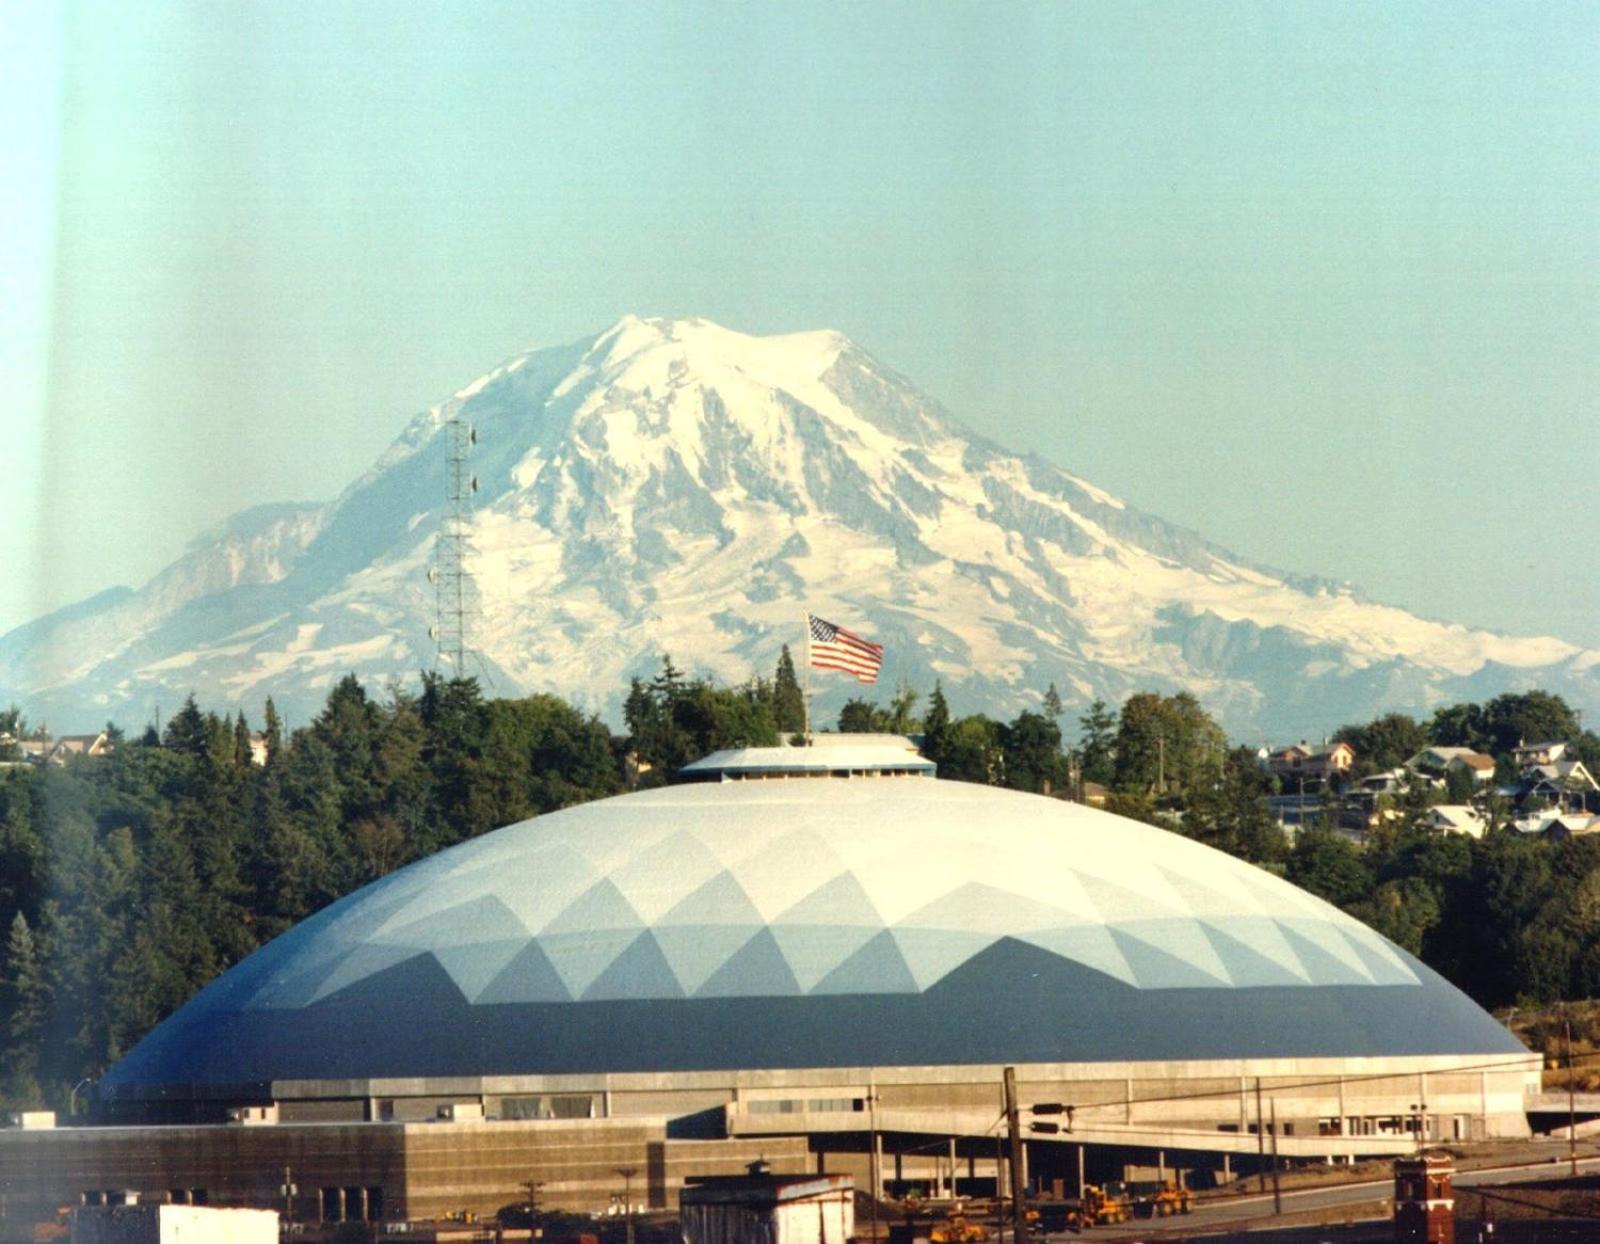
pixel 672 486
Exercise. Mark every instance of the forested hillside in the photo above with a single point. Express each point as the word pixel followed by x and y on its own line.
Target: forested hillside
pixel 130 880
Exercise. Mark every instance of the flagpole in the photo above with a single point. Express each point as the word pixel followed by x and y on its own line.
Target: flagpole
pixel 807 696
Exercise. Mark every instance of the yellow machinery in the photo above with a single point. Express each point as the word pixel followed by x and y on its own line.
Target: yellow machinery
pixel 1171 1199
pixel 957 1228
pixel 1097 1207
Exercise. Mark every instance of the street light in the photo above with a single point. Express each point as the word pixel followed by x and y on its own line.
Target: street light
pixel 1420 1110
pixel 627 1173
pixel 72 1096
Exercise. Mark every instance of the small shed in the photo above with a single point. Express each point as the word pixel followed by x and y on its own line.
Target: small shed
pixel 172 1224
pixel 763 1208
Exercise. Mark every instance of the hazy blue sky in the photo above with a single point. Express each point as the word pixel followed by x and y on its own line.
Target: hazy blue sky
pixel 1322 281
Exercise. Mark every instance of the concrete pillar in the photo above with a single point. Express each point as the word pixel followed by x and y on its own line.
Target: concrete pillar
pixel 952 1166
pixel 1227 1167
pixel 1080 1169
pixel 1161 1165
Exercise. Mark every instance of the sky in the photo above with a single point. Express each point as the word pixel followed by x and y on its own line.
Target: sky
pixel 1321 281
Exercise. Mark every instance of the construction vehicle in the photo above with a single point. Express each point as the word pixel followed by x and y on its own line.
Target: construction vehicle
pixel 1170 1199
pixel 956 1228
pixel 1100 1207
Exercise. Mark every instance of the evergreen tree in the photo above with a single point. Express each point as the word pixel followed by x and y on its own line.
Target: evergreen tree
pixel 23 1004
pixel 936 725
pixel 1097 744
pixel 186 732
pixel 788 701
pixel 271 730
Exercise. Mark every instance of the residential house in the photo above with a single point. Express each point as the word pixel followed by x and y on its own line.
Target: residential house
pixel 69 746
pixel 1526 755
pixel 1566 784
pixel 1389 782
pixel 1302 763
pixel 1456 818
pixel 1558 825
pixel 1479 766
pixel 258 748
pixel 1437 762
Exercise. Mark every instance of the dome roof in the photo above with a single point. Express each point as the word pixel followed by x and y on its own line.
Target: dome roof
pixel 890 920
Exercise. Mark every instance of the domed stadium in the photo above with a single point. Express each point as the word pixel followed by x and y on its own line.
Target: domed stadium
pixel 787 924
pixel 822 957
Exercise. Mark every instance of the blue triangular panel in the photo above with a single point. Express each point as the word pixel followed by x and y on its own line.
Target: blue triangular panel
pixel 474 968
pixel 483 919
pixel 878 967
pixel 841 900
pixel 721 900
pixel 814 950
pixel 1156 969
pixel 933 953
pixel 1345 968
pixel 640 971
pixel 1328 942
pixel 757 970
pixel 529 977
pixel 1246 966
pixel 983 908
pixel 1385 966
pixel 357 966
pixel 1183 939
pixel 1089 944
pixel 1114 903
pixel 579 958
pixel 601 906
pixel 696 951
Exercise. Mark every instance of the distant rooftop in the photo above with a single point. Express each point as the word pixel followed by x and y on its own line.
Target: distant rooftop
pixel 830 755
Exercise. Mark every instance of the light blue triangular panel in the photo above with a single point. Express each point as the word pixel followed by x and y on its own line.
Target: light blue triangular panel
pixel 757 970
pixel 878 967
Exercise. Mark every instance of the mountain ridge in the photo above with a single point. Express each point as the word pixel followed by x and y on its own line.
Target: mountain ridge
pixel 672 485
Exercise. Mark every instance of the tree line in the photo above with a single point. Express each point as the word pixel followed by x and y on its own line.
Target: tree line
pixel 129 881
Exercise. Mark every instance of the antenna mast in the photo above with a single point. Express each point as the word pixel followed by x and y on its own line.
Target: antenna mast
pixel 452 583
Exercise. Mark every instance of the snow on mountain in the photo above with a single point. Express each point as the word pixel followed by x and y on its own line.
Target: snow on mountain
pixel 672 486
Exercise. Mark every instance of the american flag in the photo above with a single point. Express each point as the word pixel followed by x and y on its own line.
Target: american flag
pixel 834 648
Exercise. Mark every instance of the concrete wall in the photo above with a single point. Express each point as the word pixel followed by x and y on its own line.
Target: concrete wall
pixel 389 1170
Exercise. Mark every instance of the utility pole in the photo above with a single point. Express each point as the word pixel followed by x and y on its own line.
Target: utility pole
pixel 1261 1143
pixel 627 1173
pixel 1277 1190
pixel 288 1197
pixel 532 1187
pixel 1019 1208
pixel 1572 1114
pixel 874 1174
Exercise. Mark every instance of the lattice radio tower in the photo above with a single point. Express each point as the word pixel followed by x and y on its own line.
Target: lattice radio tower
pixel 454 599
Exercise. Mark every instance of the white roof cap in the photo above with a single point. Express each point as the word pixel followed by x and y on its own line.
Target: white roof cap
pixel 841 754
